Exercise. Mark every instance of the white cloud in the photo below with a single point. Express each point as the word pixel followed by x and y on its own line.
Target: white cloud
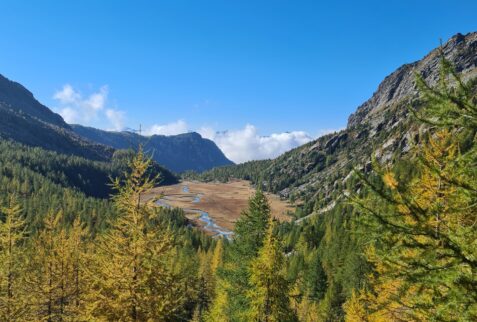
pixel 246 144
pixel 239 145
pixel 69 115
pixel 173 128
pixel 67 95
pixel 89 110
pixel 329 131
pixel 116 118
pixel 97 100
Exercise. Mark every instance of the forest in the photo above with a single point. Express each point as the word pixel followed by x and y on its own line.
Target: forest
pixel 402 246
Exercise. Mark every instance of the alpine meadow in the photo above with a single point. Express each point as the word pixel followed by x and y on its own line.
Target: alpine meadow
pixel 145 200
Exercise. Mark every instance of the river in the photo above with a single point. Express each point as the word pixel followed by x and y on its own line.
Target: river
pixel 204 217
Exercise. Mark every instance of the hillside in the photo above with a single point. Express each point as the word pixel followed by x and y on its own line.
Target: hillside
pixel 341 223
pixel 25 120
pixel 188 151
pixel 16 97
pixel 38 146
pixel 382 125
pixel 373 223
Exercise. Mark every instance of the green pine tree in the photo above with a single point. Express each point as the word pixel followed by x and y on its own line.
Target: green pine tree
pixel 250 231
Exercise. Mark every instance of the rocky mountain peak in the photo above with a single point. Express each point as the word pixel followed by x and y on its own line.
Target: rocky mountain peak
pixel 460 50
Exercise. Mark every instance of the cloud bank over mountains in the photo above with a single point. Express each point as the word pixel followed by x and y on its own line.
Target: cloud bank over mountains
pixel 238 145
pixel 173 128
pixel 247 144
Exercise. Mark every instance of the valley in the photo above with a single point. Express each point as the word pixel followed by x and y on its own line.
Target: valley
pixel 374 222
pixel 215 207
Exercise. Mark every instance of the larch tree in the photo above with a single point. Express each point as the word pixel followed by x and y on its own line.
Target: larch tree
pixel 269 301
pixel 132 276
pixel 55 276
pixel 12 262
pixel 425 254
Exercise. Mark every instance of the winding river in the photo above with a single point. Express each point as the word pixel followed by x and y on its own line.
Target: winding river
pixel 203 216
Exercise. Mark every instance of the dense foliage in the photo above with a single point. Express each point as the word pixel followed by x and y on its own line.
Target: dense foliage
pixel 423 251
pixel 136 266
pixel 400 248
pixel 45 180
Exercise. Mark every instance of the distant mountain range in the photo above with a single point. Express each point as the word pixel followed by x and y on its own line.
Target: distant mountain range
pixel 188 151
pixel 25 120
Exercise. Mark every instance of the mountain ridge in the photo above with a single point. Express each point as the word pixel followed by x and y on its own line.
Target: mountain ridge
pixel 182 152
pixel 15 96
pixel 27 121
pixel 400 83
pixel 381 127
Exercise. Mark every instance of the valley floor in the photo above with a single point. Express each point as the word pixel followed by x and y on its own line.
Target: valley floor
pixel 215 206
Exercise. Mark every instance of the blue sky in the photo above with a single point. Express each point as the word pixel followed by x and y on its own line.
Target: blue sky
pixel 209 66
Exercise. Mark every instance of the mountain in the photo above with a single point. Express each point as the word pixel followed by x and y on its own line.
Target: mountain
pixel 16 97
pixel 328 243
pixel 188 151
pixel 40 147
pixel 25 120
pixel 382 126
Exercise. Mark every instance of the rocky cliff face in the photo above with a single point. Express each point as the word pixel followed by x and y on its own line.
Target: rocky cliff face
pixel 381 126
pixel 460 50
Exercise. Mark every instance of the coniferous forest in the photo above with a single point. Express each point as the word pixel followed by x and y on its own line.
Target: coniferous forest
pixel 79 242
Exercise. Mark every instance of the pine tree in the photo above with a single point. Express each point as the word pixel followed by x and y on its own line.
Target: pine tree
pixel 251 227
pixel 249 234
pixel 12 262
pixel 269 293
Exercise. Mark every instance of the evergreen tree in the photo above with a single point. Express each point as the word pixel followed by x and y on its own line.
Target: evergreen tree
pixel 250 231
pixel 270 289
pixel 251 227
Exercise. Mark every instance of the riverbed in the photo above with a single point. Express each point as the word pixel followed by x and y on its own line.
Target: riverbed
pixel 208 223
pixel 213 206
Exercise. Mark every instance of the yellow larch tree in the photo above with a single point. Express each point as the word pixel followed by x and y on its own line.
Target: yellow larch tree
pixel 270 289
pixel 12 262
pixel 424 251
pixel 55 278
pixel 131 273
